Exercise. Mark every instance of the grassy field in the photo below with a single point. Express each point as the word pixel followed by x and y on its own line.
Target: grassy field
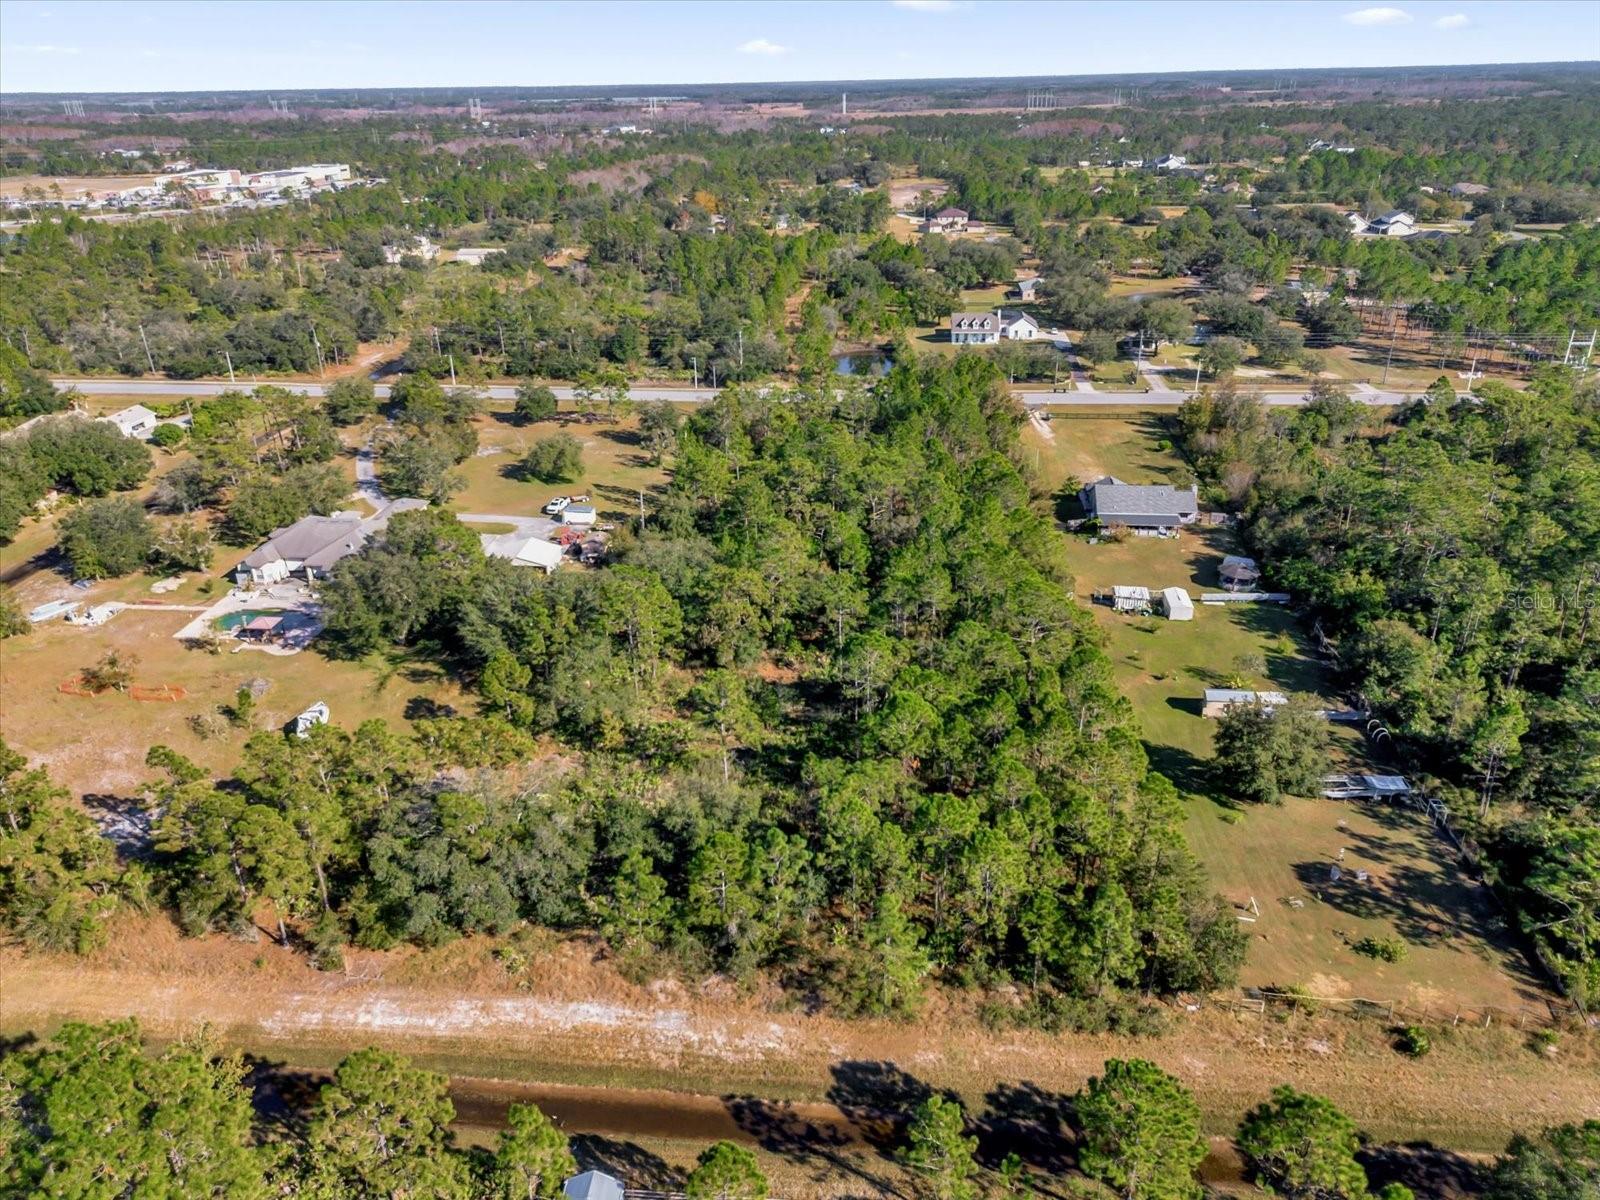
pixel 616 467
pixel 1280 855
pixel 95 746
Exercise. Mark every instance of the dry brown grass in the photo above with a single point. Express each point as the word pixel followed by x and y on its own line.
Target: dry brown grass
pixel 571 1019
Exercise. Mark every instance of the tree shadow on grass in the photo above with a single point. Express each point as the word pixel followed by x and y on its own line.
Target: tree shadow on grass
pixel 1029 1121
pixel 878 1098
pixel 1425 1169
pixel 635 1166
pixel 283 1096
pixel 622 437
pixel 779 1130
pixel 1188 772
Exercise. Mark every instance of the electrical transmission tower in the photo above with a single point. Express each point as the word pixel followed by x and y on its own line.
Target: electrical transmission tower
pixel 475 109
pixel 73 108
pixel 1042 100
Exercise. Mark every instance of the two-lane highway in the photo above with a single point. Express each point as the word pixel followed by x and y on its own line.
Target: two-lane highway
pixel 1032 397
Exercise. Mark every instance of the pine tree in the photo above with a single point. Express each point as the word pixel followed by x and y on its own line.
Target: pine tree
pixel 940 1152
pixel 532 1158
pixel 726 1172
pixel 1303 1147
pixel 1140 1132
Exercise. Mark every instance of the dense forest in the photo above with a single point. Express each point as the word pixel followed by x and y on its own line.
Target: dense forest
pixel 1453 557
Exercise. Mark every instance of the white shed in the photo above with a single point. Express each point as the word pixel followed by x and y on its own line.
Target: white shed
pixel 581 515
pixel 1176 604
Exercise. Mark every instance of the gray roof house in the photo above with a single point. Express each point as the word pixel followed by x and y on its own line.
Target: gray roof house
pixel 1396 223
pixel 1140 506
pixel 592 1185
pixel 312 545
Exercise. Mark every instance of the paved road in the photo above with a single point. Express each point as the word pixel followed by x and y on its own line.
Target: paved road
pixel 211 387
pixel 1032 397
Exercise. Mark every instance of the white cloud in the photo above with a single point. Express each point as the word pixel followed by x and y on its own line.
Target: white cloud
pixel 925 5
pixel 47 48
pixel 763 46
pixel 1453 21
pixel 1378 16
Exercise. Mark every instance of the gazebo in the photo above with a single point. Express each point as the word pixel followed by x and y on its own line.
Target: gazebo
pixel 1239 573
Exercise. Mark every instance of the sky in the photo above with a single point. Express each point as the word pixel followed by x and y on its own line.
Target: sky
pixel 81 46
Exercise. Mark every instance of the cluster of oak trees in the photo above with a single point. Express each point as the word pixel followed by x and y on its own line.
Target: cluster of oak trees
pixel 94 1111
pixel 1452 554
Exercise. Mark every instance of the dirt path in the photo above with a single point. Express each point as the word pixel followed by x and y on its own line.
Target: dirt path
pixel 572 1021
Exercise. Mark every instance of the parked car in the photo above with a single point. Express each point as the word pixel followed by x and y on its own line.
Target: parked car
pixel 558 506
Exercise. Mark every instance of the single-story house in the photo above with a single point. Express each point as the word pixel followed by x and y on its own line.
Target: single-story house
pixel 1468 189
pixel 1017 326
pixel 1393 224
pixel 1219 700
pixel 524 551
pixel 312 545
pixel 946 220
pixel 1238 573
pixel 1357 223
pixel 1140 506
pixel 581 515
pixel 975 329
pixel 1175 603
pixel 1170 162
pixel 135 421
pixel 473 256
pixel 592 1185
pixel 1130 598
pixel 1027 289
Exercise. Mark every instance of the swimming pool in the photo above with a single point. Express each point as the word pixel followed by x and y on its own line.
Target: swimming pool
pixel 229 621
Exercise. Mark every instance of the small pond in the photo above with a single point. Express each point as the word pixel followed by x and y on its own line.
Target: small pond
pixel 862 362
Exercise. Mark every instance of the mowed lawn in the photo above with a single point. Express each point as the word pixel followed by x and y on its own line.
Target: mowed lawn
pixel 616 467
pixel 1280 855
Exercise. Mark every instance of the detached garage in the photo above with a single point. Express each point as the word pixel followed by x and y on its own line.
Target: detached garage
pixel 1175 603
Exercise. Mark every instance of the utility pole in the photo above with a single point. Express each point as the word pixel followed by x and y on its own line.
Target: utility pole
pixel 452 369
pixel 147 355
pixel 741 348
pixel 322 365
pixel 1393 337
pixel 695 364
pixel 227 355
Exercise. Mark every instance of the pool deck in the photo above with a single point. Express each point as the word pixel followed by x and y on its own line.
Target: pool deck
pixel 288 596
